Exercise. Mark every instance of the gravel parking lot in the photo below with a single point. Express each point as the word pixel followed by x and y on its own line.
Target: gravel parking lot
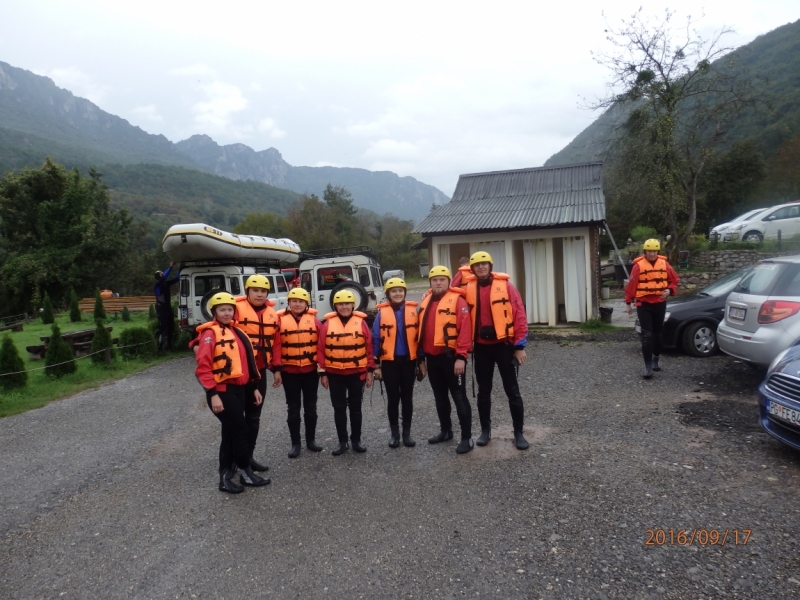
pixel 112 493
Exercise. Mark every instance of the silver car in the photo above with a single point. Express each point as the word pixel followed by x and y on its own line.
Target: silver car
pixel 762 313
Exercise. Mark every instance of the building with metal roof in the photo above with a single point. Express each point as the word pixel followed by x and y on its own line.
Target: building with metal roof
pixel 541 226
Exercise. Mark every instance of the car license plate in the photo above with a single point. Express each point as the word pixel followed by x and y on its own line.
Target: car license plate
pixel 737 313
pixel 784 413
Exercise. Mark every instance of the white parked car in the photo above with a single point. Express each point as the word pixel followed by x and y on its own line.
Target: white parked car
pixel 723 228
pixel 765 225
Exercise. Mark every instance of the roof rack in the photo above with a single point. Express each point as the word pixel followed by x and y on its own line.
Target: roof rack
pixel 334 252
pixel 233 262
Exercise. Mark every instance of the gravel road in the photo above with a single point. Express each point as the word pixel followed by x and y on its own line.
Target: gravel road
pixel 112 493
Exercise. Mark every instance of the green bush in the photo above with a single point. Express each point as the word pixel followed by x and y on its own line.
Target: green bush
pixel 47 310
pixel 101 341
pixel 75 315
pixel 99 309
pixel 181 342
pixel 10 362
pixel 126 314
pixel 137 342
pixel 641 233
pixel 58 359
pixel 593 324
pixel 152 314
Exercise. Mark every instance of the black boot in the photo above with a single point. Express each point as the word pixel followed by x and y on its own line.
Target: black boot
pixel 226 484
pixel 656 366
pixel 311 430
pixel 442 436
pixel 520 441
pixel 340 449
pixel 257 466
pixel 465 446
pixel 407 440
pixel 394 441
pixel 312 445
pixel 247 477
pixel 295 451
pixel 485 436
pixel 648 370
pixel 358 446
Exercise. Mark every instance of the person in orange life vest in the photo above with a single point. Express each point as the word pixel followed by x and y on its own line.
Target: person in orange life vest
pixel 651 281
pixel 463 271
pixel 225 366
pixel 444 342
pixel 500 333
pixel 256 317
pixel 294 361
pixel 344 353
pixel 394 334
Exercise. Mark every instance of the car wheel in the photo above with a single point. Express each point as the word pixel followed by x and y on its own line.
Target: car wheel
pixel 204 304
pixel 753 236
pixel 700 339
pixel 362 298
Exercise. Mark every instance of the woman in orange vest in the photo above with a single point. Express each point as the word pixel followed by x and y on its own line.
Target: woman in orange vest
pixel 256 317
pixel 294 361
pixel 652 280
pixel 344 353
pixel 225 366
pixel 395 333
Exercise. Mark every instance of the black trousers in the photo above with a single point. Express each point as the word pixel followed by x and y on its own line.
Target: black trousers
pixel 443 380
pixel 166 324
pixel 233 447
pixel 301 392
pixel 486 356
pixel 252 413
pixel 398 376
pixel 651 320
pixel 347 392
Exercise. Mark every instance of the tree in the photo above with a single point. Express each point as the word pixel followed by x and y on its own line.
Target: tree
pixel 126 314
pixel 12 369
pixel 339 199
pixel 151 313
pixel 101 341
pixel 75 315
pixel 47 310
pixel 99 308
pixel 681 100
pixel 266 224
pixel 58 359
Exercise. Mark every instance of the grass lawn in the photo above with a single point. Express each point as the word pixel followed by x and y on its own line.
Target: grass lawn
pixel 41 389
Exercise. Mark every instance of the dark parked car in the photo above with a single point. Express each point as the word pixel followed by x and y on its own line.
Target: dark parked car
pixel 691 320
pixel 779 398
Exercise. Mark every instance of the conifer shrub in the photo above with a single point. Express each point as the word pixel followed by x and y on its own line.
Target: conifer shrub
pixel 101 341
pixel 75 315
pixel 152 314
pixel 181 342
pixel 126 314
pixel 58 359
pixel 48 318
pixel 99 309
pixel 11 362
pixel 137 342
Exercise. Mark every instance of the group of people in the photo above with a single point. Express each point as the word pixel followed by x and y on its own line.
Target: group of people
pixel 482 315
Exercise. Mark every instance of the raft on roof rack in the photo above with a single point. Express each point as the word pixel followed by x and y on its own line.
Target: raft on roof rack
pixel 198 241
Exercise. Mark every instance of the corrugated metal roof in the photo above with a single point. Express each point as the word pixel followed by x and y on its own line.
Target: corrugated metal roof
pixel 523 198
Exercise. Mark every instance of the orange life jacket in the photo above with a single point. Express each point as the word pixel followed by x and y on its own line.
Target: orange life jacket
pixel 502 315
pixel 260 331
pixel 389 330
pixel 298 338
pixel 466 273
pixel 345 345
pixel 652 277
pixel 226 351
pixel 445 333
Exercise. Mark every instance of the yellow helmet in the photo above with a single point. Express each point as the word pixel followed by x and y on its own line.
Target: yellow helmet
pixel 343 296
pixel 298 293
pixel 480 257
pixel 220 298
pixel 439 271
pixel 394 282
pixel 651 244
pixel 258 281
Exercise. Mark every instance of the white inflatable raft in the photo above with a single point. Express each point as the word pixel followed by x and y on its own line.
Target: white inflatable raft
pixel 197 241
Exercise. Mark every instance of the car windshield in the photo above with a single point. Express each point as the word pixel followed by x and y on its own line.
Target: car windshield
pixel 760 280
pixel 748 215
pixel 725 284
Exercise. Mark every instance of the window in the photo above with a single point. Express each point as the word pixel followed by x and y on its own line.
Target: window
pixel 363 276
pixel 235 290
pixel 205 283
pixel 184 286
pixel 329 277
pixel 787 212
pixel 305 281
pixel 280 283
pixel 376 277
pixel 761 280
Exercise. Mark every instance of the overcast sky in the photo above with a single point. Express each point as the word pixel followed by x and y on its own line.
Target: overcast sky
pixel 423 88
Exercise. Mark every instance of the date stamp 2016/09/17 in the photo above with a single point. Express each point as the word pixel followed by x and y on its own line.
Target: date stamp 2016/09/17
pixel 701 537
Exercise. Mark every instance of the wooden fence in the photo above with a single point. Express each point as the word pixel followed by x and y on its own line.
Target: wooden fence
pixel 114 305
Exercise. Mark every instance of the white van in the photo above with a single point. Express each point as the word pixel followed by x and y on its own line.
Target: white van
pixel 202 279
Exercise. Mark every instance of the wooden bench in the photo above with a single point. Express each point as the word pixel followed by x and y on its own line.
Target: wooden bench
pixel 36 352
pixel 12 327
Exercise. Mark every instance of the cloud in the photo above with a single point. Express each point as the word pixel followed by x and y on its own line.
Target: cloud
pixel 222 101
pixel 148 113
pixel 79 83
pixel 198 70
pixel 270 127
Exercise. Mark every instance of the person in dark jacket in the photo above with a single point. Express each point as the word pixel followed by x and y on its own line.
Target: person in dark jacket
pixel 166 320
